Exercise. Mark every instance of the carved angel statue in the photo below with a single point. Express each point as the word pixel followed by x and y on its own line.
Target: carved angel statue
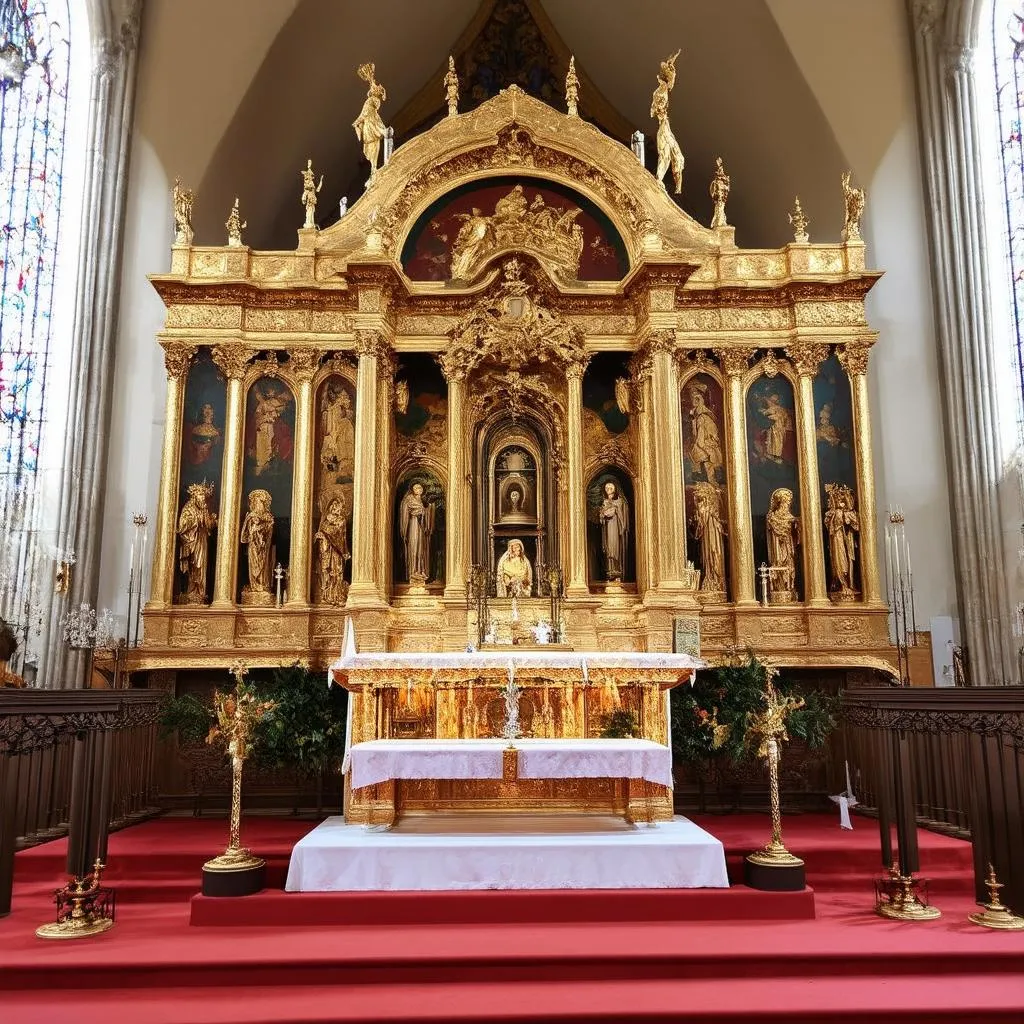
pixel 622 395
pixel 309 193
pixel 235 225
pixel 257 532
pixel 369 126
pixel 841 522
pixel 669 153
pixel 709 530
pixel 572 89
pixel 332 552
pixel 182 199
pixel 783 535
pixel 194 525
pixel 853 199
pixel 719 191
pixel 451 88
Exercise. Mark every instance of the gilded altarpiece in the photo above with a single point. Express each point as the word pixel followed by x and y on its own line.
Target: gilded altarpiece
pixel 519 327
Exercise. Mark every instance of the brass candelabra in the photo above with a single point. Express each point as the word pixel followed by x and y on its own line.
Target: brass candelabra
pixel 996 914
pixel 84 908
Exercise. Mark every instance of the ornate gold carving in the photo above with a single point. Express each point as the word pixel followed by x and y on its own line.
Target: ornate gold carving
pixel 451 88
pixel 836 313
pixel 807 356
pixel 303 362
pixel 853 209
pixel 194 525
pixel 753 318
pixel 204 315
pixel 257 531
pixel 800 223
pixel 572 90
pixel 235 225
pixel 849 631
pixel 549 232
pixel 369 126
pixel 854 358
pixel 841 523
pixel 696 319
pixel 177 357
pixel 719 191
pixel 371 343
pixel 182 200
pixel 734 361
pixel 280 320
pixel 188 633
pixel 769 365
pixel 231 360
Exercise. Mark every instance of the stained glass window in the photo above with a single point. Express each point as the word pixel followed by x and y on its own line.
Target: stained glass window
pixel 35 65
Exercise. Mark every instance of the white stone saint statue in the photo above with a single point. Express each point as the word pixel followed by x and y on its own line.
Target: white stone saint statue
pixel 416 524
pixel 613 516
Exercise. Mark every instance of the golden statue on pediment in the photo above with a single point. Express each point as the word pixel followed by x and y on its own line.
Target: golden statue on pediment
pixel 551 232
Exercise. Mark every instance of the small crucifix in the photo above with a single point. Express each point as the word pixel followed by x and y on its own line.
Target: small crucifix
pixel 279 576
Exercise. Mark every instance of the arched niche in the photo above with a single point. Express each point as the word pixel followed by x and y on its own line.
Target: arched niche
pixel 773 462
pixel 611 484
pixel 269 461
pixel 419 524
pixel 202 446
pixel 514 456
pixel 462 230
pixel 333 477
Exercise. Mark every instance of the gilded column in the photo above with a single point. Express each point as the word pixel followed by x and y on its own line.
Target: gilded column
pixel 577 585
pixel 807 357
pixel 734 363
pixel 386 369
pixel 303 363
pixel 232 361
pixel 668 459
pixel 370 344
pixel 854 360
pixel 458 526
pixel 177 359
pixel 640 380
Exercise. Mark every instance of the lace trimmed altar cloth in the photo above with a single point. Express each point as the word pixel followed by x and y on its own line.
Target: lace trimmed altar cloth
pixel 385 760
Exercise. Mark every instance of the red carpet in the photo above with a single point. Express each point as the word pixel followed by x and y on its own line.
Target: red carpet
pixel 846 965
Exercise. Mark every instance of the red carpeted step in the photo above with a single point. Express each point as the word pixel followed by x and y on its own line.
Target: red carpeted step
pixel 912 999
pixel 305 909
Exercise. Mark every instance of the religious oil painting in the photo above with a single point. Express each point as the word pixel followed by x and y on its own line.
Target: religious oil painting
pixel 202 429
pixel 772 462
pixel 269 460
pixel 418 535
pixel 456 237
pixel 333 475
pixel 515 486
pixel 611 534
pixel 421 402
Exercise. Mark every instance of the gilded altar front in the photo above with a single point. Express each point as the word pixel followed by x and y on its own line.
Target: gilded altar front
pixel 515 356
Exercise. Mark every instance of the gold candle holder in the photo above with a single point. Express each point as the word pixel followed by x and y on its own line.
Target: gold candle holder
pixel 84 908
pixel 995 914
pixel 898 898
pixel 775 853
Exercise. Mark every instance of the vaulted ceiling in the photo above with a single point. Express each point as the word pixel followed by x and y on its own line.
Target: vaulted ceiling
pixel 282 87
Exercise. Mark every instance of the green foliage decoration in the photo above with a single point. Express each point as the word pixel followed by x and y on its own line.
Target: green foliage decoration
pixel 620 725
pixel 710 719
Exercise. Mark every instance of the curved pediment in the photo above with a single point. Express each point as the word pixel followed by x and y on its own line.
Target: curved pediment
pixel 515 134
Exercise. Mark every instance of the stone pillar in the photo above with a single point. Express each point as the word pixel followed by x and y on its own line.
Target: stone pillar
pixel 105 145
pixel 177 359
pixel 577 582
pixel 457 500
pixel 943 40
pixel 668 460
pixel 806 358
pixel 734 362
pixel 232 361
pixel 303 363
pixel 854 360
pixel 370 344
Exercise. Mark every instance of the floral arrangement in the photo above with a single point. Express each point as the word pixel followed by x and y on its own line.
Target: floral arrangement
pixel 718 717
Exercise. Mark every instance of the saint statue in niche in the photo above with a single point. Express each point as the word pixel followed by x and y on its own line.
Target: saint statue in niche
pixel 270 403
pixel 841 522
pixel 783 535
pixel 331 542
pixel 194 525
pixel 613 517
pixel 706 446
pixel 515 574
pixel 416 524
pixel 338 448
pixel 780 423
pixel 709 530
pixel 257 530
pixel 202 436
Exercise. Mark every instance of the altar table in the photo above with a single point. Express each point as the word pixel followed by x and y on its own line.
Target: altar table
pixel 384 760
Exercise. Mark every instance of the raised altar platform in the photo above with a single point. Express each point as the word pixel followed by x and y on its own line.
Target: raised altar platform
pixel 515 851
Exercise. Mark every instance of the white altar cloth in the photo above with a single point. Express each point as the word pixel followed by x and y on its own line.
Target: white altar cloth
pixel 595 853
pixel 381 760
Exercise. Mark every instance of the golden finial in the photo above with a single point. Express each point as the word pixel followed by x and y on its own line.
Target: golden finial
pixel 799 222
pixel 719 190
pixel 235 225
pixel 451 88
pixel 572 89
pixel 310 190
pixel 182 199
pixel 853 201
